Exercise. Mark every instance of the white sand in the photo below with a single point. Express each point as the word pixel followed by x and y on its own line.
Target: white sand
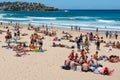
pixel 47 65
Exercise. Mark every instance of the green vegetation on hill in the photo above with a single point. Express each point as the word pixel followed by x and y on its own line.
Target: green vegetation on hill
pixel 25 6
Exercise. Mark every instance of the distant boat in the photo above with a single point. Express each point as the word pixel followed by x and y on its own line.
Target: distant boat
pixel 66 11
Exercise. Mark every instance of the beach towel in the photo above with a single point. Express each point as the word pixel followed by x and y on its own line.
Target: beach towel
pixel 38 51
pixel 13 42
pixel 25 50
pixel 100 62
pixel 112 72
pixel 96 71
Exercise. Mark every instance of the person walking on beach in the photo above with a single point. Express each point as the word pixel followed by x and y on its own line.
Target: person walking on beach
pixel 91 36
pixel 71 27
pixel 80 42
pixel 98 44
pixel 79 28
pixel 110 35
pixel 96 31
pixel 106 33
pixel 116 35
pixel 18 34
pixel 15 36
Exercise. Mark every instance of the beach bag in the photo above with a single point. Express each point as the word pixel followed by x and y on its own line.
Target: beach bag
pixel 72 47
pixel 67 67
pixel 78 68
pixel 35 50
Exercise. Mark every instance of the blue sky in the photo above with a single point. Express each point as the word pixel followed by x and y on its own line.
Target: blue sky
pixel 78 4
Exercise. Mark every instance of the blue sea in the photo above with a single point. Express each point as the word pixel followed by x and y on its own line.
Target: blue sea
pixel 85 19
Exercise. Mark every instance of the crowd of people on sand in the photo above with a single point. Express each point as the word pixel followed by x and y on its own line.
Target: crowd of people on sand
pixel 93 63
pixel 77 28
pixel 110 34
pixel 12 37
pixel 57 43
pixel 77 61
pixel 113 44
pixel 89 64
pixel 45 30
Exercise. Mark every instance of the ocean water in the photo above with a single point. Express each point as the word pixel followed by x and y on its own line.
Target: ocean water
pixel 85 19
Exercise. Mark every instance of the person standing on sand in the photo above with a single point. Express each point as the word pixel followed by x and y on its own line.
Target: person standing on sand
pixel 40 42
pixel 1 23
pixel 116 35
pixel 97 31
pixel 18 34
pixel 110 35
pixel 98 44
pixel 71 27
pixel 106 33
pixel 79 42
pixel 79 28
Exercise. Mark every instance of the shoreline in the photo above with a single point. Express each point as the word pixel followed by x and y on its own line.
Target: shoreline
pixel 61 28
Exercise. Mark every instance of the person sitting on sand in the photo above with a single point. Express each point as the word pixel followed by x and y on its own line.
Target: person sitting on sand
pixel 54 45
pixel 83 54
pixel 118 44
pixel 90 62
pixel 61 45
pixel 55 39
pixel 18 47
pixel 31 46
pixel 76 57
pixel 24 45
pixel 91 36
pixel 71 56
pixel 113 45
pixel 85 66
pixel 107 71
pixel 114 59
pixel 96 56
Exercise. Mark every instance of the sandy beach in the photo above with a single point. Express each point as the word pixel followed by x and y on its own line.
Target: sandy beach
pixel 47 65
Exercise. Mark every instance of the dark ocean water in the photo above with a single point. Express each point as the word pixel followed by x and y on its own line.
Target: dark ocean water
pixel 85 19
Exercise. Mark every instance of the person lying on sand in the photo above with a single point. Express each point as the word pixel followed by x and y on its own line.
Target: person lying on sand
pixel 62 45
pixel 75 40
pixel 8 46
pixel 24 34
pixel 114 59
pixel 20 55
pixel 114 45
